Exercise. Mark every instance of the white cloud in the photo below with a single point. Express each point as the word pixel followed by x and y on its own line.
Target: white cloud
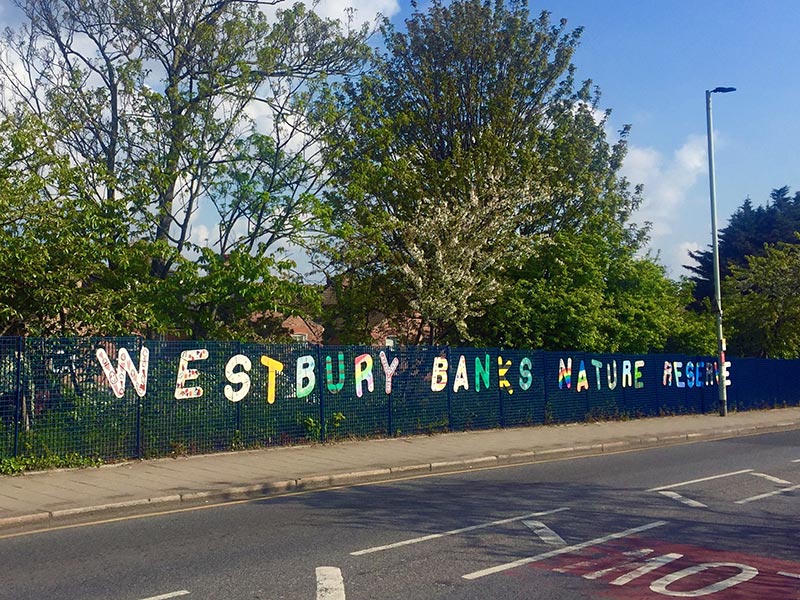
pixel 667 181
pixel 200 234
pixel 681 253
pixel 673 196
pixel 365 10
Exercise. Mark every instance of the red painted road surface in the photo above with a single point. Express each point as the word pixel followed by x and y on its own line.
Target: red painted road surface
pixel 644 569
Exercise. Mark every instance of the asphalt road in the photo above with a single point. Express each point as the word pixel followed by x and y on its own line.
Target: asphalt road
pixel 718 520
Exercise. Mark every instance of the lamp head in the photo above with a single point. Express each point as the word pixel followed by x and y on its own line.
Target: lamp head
pixel 723 90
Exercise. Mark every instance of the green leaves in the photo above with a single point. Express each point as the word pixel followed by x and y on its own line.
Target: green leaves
pixel 59 243
pixel 471 154
pixel 757 255
pixel 763 303
pixel 746 233
pixel 159 120
pixel 593 293
pixel 462 188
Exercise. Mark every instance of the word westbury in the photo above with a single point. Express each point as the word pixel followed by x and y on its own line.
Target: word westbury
pixel 578 376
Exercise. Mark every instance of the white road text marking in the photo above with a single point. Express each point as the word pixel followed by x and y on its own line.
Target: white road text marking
pixel 564 550
pixel 767 495
pixel 547 535
pixel 435 536
pixel 785 574
pixel 330 584
pixel 702 479
pixel 746 573
pixel 682 499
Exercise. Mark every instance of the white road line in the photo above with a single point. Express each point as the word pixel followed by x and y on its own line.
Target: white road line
pixel 560 551
pixel 683 499
pixel 767 495
pixel 170 595
pixel 547 535
pixel 785 574
pixel 435 536
pixel 702 479
pixel 330 584
pixel 771 478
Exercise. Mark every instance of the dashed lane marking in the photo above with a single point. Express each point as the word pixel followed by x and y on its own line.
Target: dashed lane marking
pixel 768 494
pixel 169 595
pixel 771 478
pixel 560 551
pixel 547 535
pixel 683 499
pixel 330 583
pixel 702 479
pixel 435 536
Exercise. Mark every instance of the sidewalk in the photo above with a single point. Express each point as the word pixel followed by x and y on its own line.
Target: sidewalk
pixel 52 497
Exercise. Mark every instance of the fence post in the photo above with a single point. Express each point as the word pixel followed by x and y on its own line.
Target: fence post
pixel 588 411
pixel 239 430
pixel 389 411
pixel 449 393
pixel 500 393
pixel 322 384
pixel 18 403
pixel 544 385
pixel 138 399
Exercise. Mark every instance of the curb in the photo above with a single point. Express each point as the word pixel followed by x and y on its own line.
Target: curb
pixel 323 482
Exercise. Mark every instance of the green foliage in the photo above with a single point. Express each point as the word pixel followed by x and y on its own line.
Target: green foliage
pixel 593 293
pixel 472 193
pixel 237 296
pixel 427 198
pixel 19 464
pixel 333 424
pixel 139 128
pixel 763 304
pixel 746 234
pixel 758 285
pixel 314 429
pixel 470 148
pixel 62 270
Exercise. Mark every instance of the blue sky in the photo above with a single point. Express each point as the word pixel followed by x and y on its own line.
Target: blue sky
pixel 653 61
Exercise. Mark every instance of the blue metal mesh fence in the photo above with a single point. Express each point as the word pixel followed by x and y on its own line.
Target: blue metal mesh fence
pixel 352 387
pixel 64 403
pixel 414 407
pixel 474 390
pixel 9 395
pixel 126 397
pixel 523 402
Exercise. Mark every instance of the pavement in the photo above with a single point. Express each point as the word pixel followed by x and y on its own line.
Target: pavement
pixel 50 498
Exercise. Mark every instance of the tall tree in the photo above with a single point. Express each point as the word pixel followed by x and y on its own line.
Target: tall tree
pixel 470 146
pixel 746 234
pixel 763 303
pixel 189 105
pixel 57 245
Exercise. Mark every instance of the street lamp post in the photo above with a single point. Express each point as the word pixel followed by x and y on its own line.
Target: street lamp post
pixel 723 392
